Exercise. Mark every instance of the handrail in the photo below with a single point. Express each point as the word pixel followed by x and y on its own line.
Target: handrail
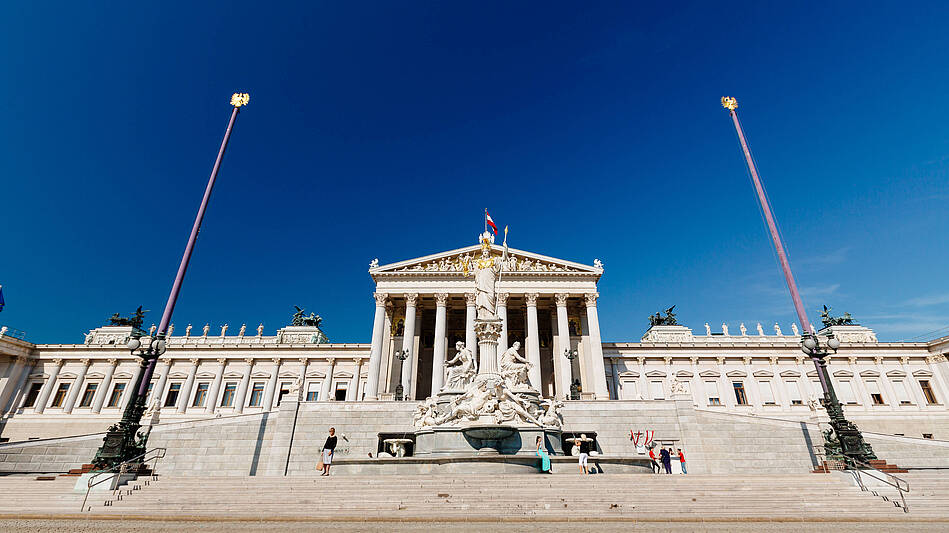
pixel 157 453
pixel 898 483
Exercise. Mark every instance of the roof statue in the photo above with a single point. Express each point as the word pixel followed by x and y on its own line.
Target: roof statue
pixel 299 319
pixel 135 320
pixel 844 320
pixel 668 320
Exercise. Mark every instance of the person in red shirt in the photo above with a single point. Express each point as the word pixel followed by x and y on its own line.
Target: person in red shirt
pixel 681 460
pixel 656 469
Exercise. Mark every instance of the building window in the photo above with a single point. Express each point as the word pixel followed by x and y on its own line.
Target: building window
pixel 740 397
pixel 200 395
pixel 846 393
pixel 902 394
pixel 31 396
pixel 88 395
pixel 148 393
pixel 711 390
pixel 173 391
pixel 227 399
pixel 873 387
pixel 341 392
pixel 794 392
pixel 313 392
pixel 927 435
pixel 257 394
pixel 928 392
pixel 60 395
pixel 628 390
pixel 655 390
pixel 116 395
pixel 284 389
pixel 767 393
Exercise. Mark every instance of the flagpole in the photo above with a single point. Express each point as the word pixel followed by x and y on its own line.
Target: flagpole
pixel 851 443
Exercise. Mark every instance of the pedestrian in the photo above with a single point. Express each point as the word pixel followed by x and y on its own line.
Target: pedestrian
pixel 328 448
pixel 653 461
pixel 544 457
pixel 666 460
pixel 682 460
pixel 584 444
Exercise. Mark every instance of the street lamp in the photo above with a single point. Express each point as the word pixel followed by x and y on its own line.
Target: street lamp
pixel 399 389
pixel 122 441
pixel 852 445
pixel 574 388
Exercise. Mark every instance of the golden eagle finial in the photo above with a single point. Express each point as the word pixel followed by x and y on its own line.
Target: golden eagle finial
pixel 729 103
pixel 240 99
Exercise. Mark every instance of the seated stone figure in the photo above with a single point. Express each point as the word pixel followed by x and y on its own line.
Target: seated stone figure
pixel 514 368
pixel 461 368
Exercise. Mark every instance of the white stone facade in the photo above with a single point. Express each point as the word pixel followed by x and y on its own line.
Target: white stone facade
pixel 424 306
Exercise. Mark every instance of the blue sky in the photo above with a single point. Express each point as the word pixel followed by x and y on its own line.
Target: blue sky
pixel 384 129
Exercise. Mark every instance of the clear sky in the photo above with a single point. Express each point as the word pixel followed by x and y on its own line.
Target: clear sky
pixel 384 129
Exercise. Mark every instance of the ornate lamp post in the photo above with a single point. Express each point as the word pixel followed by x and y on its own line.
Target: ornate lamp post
pixel 851 441
pixel 574 389
pixel 121 442
pixel 852 445
pixel 399 389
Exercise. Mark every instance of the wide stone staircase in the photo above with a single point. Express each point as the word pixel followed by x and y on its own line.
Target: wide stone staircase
pixel 611 497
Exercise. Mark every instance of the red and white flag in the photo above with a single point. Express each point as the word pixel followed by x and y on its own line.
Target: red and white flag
pixel 489 221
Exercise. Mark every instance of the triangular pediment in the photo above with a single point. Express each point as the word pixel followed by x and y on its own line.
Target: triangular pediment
pixel 459 263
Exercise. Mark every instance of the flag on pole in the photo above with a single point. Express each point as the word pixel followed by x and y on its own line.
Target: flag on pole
pixel 489 221
pixel 1 297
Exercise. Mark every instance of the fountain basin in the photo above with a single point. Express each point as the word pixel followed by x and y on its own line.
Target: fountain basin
pixel 491 433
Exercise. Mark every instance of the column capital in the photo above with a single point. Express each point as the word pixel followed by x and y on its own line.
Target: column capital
pixel 590 299
pixel 471 299
pixel 380 298
pixel 22 359
pixel 113 361
pixel 249 360
pixel 531 299
pixel 411 299
pixel 58 362
pixel 166 360
pixel 331 361
pixel 304 361
pixel 799 359
pixel 85 361
pixel 441 299
pixel 561 299
pixel 641 360
pixel 502 298
pixel 194 361
pixel 276 360
pixel 358 361
pixel 222 360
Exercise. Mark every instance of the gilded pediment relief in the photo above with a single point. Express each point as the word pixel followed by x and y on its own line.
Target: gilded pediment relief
pixel 460 262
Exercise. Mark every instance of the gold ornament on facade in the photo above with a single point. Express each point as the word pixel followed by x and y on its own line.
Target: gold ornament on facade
pixel 729 103
pixel 240 99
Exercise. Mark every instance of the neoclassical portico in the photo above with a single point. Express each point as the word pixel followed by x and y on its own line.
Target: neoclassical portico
pixel 428 304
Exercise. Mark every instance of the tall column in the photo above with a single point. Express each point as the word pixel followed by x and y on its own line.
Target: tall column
pixel 597 367
pixel 271 385
pixel 303 362
pixel 242 388
pixel 352 392
pixel 375 354
pixel 615 372
pixel 185 396
pixel 12 381
pixel 563 334
pixel 328 381
pixel 76 386
pixel 471 309
pixel 48 387
pixel 216 386
pixel 502 315
pixel 533 342
pixel 103 389
pixel 438 358
pixel 408 343
pixel 157 391
pixel 12 401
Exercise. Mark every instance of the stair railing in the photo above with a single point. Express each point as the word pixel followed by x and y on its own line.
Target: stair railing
pixel 860 468
pixel 153 455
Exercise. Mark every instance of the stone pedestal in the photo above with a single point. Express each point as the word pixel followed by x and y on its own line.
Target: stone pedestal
pixel 488 332
pixel 668 334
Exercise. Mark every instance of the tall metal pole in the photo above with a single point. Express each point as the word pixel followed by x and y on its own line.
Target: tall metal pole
pixel 238 100
pixel 850 440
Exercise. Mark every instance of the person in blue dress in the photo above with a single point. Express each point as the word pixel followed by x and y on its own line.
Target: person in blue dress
pixel 544 457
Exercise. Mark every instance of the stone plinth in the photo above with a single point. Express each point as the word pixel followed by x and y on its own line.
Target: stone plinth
pixel 488 332
pixel 850 333
pixel 668 334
